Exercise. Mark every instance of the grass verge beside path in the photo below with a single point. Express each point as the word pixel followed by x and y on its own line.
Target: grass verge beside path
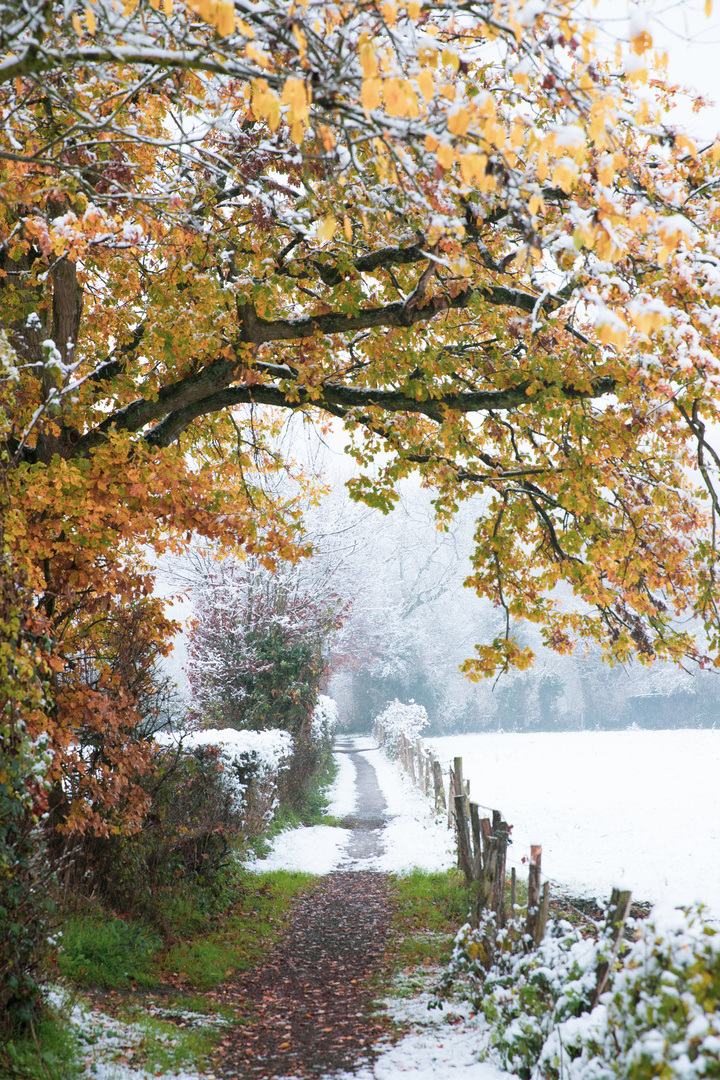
pixel 153 984
pixel 141 969
pixel 428 910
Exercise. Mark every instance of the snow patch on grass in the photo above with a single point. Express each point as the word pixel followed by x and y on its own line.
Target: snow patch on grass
pixel 440 1043
pixel 415 835
pixel 343 795
pixel 315 849
pixel 112 1049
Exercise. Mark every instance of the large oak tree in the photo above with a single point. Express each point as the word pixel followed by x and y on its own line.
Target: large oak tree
pixel 464 229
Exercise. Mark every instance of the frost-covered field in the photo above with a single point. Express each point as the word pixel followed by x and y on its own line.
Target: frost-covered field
pixel 637 807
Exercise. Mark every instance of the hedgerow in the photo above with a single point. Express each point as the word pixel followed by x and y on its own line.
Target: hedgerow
pixel 658 1017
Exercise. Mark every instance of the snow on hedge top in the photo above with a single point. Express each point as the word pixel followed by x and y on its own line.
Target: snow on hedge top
pixel 269 749
pixel 408 720
pixel 325 719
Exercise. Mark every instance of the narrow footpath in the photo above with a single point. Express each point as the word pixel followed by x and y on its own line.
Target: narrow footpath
pixel 306 1012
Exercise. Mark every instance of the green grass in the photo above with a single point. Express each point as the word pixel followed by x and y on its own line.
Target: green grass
pixel 428 909
pixel 207 936
pixel 241 938
pixel 104 952
pixel 46 1051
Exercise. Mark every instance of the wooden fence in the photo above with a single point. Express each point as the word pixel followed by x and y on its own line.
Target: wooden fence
pixel 482 844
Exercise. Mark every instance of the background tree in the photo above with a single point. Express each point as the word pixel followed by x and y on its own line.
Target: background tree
pixel 260 644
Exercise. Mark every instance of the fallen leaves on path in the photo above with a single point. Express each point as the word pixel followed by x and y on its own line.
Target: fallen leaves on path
pixel 306 1010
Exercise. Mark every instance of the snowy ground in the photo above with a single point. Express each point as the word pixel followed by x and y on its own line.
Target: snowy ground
pixel 639 808
pixel 413 836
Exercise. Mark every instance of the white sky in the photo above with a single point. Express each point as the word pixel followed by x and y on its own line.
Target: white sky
pixel 691 40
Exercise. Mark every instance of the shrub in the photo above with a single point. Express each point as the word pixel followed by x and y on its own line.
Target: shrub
pixel 205 790
pixel 657 1019
pixel 259 646
pixel 24 763
pixel 397 720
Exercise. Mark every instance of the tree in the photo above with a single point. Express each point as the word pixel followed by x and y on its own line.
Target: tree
pixel 260 643
pixel 463 230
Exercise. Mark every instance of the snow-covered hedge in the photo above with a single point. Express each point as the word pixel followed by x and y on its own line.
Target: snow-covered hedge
pixel 657 1019
pixel 246 757
pixel 399 719
pixel 245 767
pixel 325 720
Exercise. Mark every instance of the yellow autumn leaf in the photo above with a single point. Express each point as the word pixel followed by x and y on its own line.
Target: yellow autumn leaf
pixel 265 104
pixel 564 175
pixel 450 59
pixel 77 25
pixel 396 101
pixel 413 10
pixel 612 332
pixel 347 228
pixel 647 321
pixel 368 61
pixel 715 152
pixel 458 122
pixel 639 75
pixel 252 53
pixel 301 40
pixel 168 7
pixel 708 8
pixel 641 42
pixel 295 95
pixel 425 83
pixel 446 156
pixel 370 94
pixel 389 13
pixel 326 228
pixel 91 21
pixel 328 139
pixel 606 170
pixel 472 167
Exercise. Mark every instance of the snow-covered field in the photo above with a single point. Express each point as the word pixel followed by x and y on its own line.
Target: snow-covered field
pixel 641 808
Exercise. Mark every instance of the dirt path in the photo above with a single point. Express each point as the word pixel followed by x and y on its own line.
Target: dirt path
pixel 306 1010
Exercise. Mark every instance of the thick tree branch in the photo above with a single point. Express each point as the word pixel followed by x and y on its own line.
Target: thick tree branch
pixel 344 400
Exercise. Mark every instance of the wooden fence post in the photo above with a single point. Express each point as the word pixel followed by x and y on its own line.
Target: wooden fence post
pixel 458 771
pixel 542 918
pixel 500 837
pixel 465 859
pixel 616 916
pixel 483 895
pixel 477 840
pixel 439 785
pixel 533 890
pixel 451 799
